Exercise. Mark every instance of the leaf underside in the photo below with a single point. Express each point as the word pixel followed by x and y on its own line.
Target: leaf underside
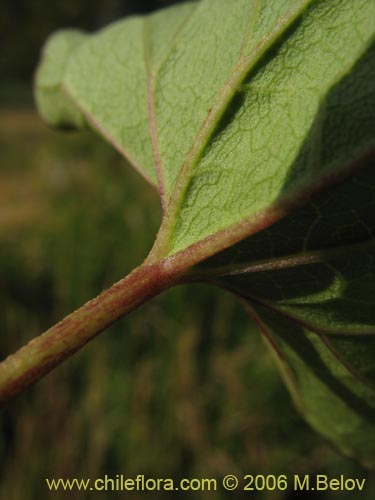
pixel 255 120
pixel 308 282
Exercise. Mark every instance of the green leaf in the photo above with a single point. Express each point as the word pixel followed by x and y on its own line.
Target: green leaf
pixel 308 281
pixel 52 103
pixel 334 396
pixel 255 120
pixel 317 265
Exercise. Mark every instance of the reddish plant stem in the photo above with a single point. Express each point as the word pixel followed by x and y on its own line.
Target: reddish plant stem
pixel 42 354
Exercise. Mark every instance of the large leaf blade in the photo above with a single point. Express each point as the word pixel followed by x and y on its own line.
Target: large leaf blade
pixel 230 107
pixel 239 112
pixel 309 281
pixel 283 131
pixel 316 266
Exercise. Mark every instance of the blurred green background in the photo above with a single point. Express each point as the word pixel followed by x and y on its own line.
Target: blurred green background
pixel 183 387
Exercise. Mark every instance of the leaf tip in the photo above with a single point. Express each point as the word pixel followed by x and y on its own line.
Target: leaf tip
pixel 52 102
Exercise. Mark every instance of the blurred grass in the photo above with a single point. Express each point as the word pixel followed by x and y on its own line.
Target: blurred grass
pixel 182 387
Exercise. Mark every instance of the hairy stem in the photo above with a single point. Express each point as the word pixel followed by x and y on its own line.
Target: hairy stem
pixel 42 354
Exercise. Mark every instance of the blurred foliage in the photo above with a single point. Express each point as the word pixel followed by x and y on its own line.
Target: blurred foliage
pixel 182 387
